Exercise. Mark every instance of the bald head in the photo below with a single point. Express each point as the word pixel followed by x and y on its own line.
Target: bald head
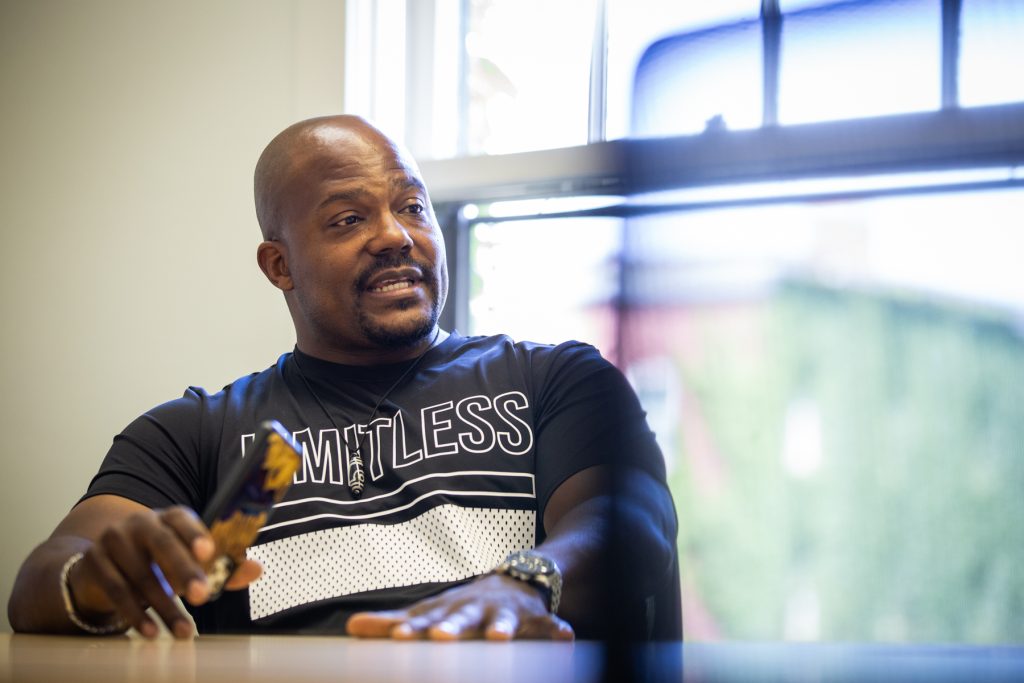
pixel 351 240
pixel 295 148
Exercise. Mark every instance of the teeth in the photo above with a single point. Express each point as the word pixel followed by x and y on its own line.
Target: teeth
pixel 404 284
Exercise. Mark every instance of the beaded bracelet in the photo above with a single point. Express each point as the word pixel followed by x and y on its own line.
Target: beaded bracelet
pixel 69 604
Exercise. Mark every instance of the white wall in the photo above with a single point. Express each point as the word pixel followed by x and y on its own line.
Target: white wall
pixel 128 134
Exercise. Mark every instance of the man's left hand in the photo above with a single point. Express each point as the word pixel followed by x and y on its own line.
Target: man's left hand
pixel 492 607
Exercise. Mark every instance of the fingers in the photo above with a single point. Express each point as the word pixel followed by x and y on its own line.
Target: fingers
pixel 550 627
pixel 421 617
pixel 244 574
pixel 460 620
pixel 96 567
pixel 179 546
pixel 145 560
pixel 374 624
pixel 504 625
pixel 465 622
pixel 564 630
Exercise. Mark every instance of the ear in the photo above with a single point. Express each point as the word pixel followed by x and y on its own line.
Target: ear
pixel 273 259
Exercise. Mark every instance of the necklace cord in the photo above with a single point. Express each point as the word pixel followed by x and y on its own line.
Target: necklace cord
pixel 356 477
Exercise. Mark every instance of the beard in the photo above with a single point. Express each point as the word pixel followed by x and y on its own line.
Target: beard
pixel 397 336
pixel 403 336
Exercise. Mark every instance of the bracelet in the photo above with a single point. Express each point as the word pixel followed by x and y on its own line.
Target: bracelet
pixel 69 604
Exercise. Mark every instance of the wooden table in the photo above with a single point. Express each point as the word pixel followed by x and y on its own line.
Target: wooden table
pixel 291 659
pixel 297 659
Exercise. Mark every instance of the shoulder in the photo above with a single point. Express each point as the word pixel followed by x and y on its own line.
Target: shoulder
pixel 550 373
pixel 536 355
pixel 196 402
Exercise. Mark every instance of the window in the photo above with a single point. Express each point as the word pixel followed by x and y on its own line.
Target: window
pixel 990 56
pixel 803 257
pixel 850 376
pixel 837 386
pixel 528 80
pixel 858 59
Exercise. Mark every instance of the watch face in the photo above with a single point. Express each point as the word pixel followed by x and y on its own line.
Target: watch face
pixel 538 571
pixel 531 564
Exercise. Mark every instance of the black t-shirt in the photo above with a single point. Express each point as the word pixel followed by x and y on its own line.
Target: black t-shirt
pixel 460 460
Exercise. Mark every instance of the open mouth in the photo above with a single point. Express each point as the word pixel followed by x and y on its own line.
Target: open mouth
pixel 392 286
pixel 394 282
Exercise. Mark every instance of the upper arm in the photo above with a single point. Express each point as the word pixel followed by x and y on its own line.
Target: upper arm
pixel 577 489
pixel 589 424
pixel 640 492
pixel 91 516
pixel 155 460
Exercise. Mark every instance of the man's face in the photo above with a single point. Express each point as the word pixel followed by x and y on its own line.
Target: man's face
pixel 364 251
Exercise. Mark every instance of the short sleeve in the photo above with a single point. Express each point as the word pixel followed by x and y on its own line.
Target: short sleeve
pixel 589 415
pixel 155 460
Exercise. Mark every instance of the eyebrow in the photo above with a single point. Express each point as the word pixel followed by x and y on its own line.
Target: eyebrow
pixel 397 184
pixel 406 182
pixel 344 196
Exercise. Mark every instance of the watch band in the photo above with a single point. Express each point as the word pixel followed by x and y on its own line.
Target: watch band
pixel 536 569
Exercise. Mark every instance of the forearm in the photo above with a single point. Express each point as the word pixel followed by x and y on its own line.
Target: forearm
pixel 134 558
pixel 580 542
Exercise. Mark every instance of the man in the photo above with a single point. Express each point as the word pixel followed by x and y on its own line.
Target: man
pixel 429 459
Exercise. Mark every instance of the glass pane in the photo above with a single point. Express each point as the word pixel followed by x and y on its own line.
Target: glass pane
pixel 705 79
pixel 635 24
pixel 991 59
pixel 550 294
pixel 838 387
pixel 851 416
pixel 857 59
pixel 529 74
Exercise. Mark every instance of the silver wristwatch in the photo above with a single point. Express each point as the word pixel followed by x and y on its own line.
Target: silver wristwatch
pixel 536 569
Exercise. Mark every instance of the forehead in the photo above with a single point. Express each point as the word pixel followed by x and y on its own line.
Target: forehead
pixel 332 155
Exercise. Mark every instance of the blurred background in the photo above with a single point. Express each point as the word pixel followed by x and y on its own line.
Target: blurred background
pixel 796 226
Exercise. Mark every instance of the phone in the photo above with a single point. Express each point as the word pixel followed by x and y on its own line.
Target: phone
pixel 244 502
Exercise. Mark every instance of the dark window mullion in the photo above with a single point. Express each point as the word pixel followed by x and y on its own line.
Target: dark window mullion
pixel 771 40
pixel 951 11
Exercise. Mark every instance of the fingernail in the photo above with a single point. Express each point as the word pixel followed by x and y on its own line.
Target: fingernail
pixel 198 591
pixel 148 629
pixel 203 548
pixel 501 630
pixel 402 630
pixel 502 627
pixel 447 627
pixel 182 629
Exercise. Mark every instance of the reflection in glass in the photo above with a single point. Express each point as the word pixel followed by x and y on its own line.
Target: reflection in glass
pixel 529 74
pixel 856 59
pixel 991 59
pixel 706 80
pixel 635 24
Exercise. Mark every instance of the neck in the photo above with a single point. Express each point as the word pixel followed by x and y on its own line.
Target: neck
pixel 371 355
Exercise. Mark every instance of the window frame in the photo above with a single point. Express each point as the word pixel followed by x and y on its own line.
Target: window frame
pixel 946 139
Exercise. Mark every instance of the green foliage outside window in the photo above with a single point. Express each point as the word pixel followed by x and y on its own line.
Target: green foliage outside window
pixel 911 529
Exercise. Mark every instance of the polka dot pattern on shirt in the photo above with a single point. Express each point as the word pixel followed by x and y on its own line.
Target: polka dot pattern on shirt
pixel 446 543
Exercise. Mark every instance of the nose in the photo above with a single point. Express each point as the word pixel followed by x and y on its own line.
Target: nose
pixel 390 235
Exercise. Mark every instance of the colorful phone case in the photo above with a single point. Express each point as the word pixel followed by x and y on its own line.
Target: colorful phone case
pixel 243 504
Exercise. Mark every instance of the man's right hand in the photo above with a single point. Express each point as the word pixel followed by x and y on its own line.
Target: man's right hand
pixel 134 558
pixel 145 560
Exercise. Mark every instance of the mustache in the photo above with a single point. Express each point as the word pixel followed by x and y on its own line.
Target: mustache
pixel 386 261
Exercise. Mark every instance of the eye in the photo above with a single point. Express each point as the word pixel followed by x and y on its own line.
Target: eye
pixel 347 220
pixel 415 209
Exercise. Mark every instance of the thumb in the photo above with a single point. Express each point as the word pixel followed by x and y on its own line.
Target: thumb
pixel 244 574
